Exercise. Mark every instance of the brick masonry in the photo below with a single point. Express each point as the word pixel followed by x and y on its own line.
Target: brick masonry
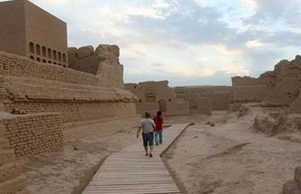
pixel 11 178
pixel 13 65
pixel 33 133
pixel 32 87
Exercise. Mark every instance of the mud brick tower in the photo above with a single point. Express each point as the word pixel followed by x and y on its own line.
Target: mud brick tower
pixel 28 30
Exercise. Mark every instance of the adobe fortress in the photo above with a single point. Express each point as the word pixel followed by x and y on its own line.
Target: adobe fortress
pixel 38 92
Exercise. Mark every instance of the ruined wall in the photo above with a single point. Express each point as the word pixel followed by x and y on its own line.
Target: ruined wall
pixel 284 93
pixel 31 134
pixel 287 83
pixel 295 106
pixel 152 91
pixel 151 108
pixel 12 179
pixel 248 89
pixel 55 89
pixel 13 65
pixel 249 93
pixel 103 63
pixel 178 108
pixel 219 96
pixel 204 106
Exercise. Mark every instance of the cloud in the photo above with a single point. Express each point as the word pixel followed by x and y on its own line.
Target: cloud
pixel 186 41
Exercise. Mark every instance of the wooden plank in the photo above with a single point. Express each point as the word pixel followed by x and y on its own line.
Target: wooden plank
pixel 130 172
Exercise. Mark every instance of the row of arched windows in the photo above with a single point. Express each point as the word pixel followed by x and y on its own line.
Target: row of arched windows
pixel 47 52
pixel 38 59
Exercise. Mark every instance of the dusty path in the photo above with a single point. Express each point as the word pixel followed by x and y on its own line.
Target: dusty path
pixel 230 157
pixel 87 144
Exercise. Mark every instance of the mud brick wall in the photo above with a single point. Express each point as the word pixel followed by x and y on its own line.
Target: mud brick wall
pixel 178 108
pixel 147 107
pixel 34 133
pixel 30 87
pixel 13 65
pixel 12 179
pixel 78 111
pixel 249 93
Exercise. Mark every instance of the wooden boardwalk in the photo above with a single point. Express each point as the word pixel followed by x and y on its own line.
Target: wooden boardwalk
pixel 131 172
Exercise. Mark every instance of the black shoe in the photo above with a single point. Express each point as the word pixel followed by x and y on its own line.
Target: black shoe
pixel 146 154
pixel 150 155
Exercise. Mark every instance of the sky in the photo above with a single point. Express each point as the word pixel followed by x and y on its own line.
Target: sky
pixel 187 42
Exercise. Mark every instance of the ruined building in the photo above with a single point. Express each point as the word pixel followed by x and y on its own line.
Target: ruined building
pixel 203 99
pixel 38 93
pixel 153 96
pixel 29 31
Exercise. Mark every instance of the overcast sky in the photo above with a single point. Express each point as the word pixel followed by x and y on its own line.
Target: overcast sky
pixel 188 42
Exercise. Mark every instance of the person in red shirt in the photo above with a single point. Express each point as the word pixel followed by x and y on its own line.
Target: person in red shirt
pixel 159 128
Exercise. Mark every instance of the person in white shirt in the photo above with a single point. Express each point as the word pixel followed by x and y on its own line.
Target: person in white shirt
pixel 148 126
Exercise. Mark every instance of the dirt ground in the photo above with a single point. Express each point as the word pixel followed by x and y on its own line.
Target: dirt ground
pixel 220 154
pixel 87 144
pixel 224 154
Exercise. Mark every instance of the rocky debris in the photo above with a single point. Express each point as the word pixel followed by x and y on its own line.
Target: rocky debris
pixel 243 110
pixel 270 123
pixel 210 124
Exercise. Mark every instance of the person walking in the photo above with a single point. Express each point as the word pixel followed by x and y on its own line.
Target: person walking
pixel 159 128
pixel 148 126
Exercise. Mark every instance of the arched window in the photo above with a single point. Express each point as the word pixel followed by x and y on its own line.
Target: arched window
pixel 64 58
pixel 31 57
pixel 54 54
pixel 31 47
pixel 38 59
pixel 54 63
pixel 44 51
pixel 44 61
pixel 38 49
pixel 49 62
pixel 60 56
pixel 150 97
pixel 49 53
pixel 60 64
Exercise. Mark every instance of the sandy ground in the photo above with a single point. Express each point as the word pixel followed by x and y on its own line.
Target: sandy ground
pixel 228 156
pixel 86 146
pixel 220 154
